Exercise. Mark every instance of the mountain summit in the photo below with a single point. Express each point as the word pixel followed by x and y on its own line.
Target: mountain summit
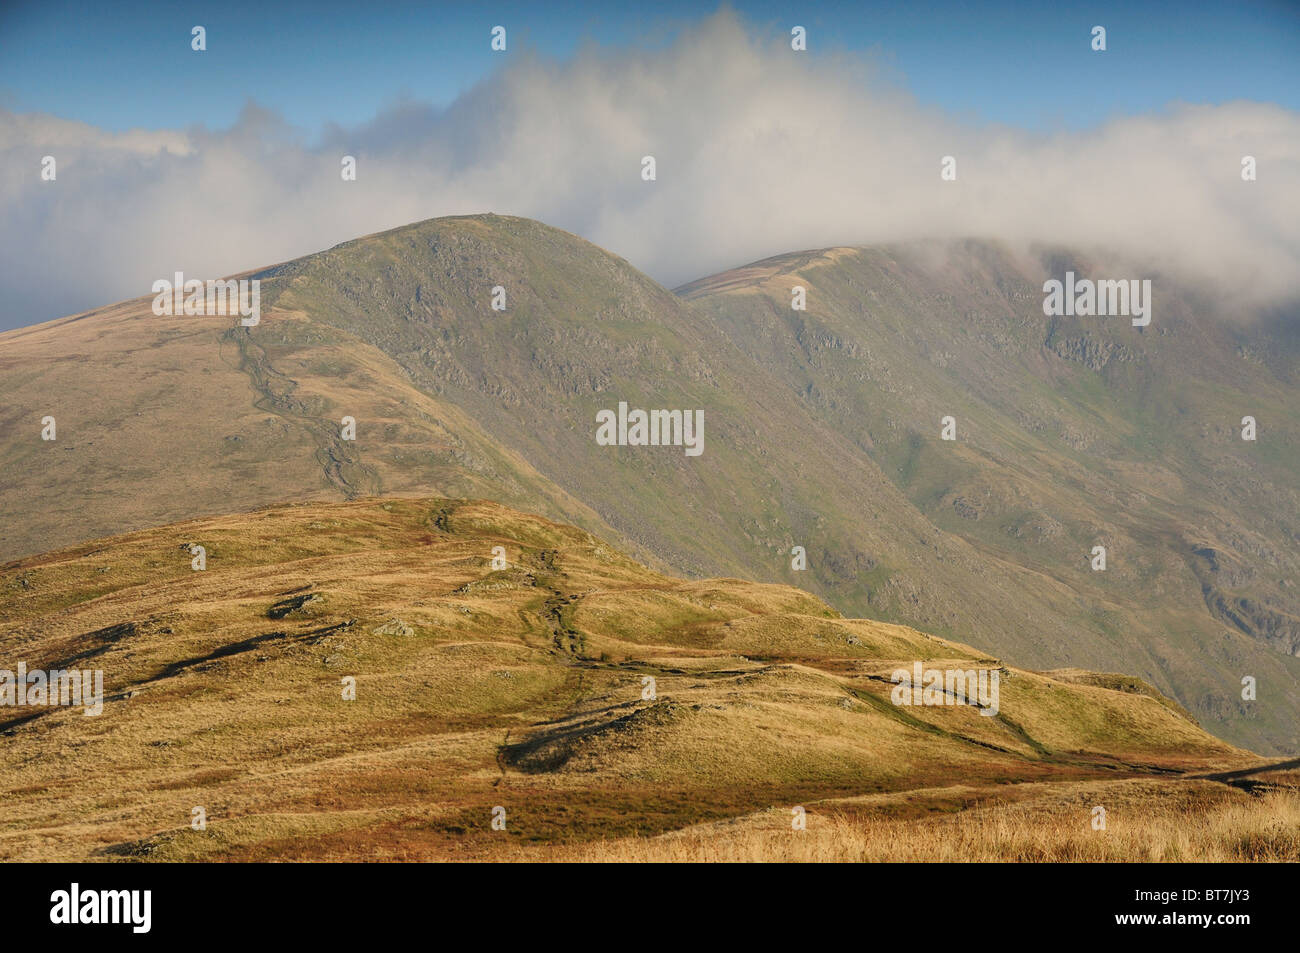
pixel 474 355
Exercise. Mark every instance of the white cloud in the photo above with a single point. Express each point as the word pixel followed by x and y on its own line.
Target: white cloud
pixel 759 150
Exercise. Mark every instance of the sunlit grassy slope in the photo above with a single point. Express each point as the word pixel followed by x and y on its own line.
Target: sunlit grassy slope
pixel 521 687
pixel 821 430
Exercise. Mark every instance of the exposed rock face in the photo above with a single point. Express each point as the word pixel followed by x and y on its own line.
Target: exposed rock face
pixel 307 604
pixel 393 627
pixel 1091 352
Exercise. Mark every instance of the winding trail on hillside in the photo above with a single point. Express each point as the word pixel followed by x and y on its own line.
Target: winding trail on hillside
pixel 569 643
pixel 339 459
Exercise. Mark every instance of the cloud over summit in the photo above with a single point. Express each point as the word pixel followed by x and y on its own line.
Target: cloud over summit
pixel 759 150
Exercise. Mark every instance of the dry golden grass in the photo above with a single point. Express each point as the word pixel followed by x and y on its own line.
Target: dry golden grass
pixel 518 687
pixel 163 418
pixel 1210 828
pixel 818 435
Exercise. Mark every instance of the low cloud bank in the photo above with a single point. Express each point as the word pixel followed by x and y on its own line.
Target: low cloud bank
pixel 758 150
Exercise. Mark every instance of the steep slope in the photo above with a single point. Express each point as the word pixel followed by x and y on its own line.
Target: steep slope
pixel 164 418
pixel 820 431
pixel 523 686
pixel 1073 432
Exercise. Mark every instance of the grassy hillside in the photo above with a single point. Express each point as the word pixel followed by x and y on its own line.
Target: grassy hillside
pixel 1072 432
pixel 165 418
pixel 821 430
pixel 520 687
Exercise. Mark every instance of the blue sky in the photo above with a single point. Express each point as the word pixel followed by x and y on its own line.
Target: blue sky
pixel 162 167
pixel 128 64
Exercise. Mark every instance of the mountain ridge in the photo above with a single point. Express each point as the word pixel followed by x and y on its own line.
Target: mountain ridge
pixel 822 432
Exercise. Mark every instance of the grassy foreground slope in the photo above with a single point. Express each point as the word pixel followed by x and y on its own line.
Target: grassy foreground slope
pixel 520 687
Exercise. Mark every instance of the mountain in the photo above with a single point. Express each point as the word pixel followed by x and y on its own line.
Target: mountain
pixel 821 430
pixel 590 697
